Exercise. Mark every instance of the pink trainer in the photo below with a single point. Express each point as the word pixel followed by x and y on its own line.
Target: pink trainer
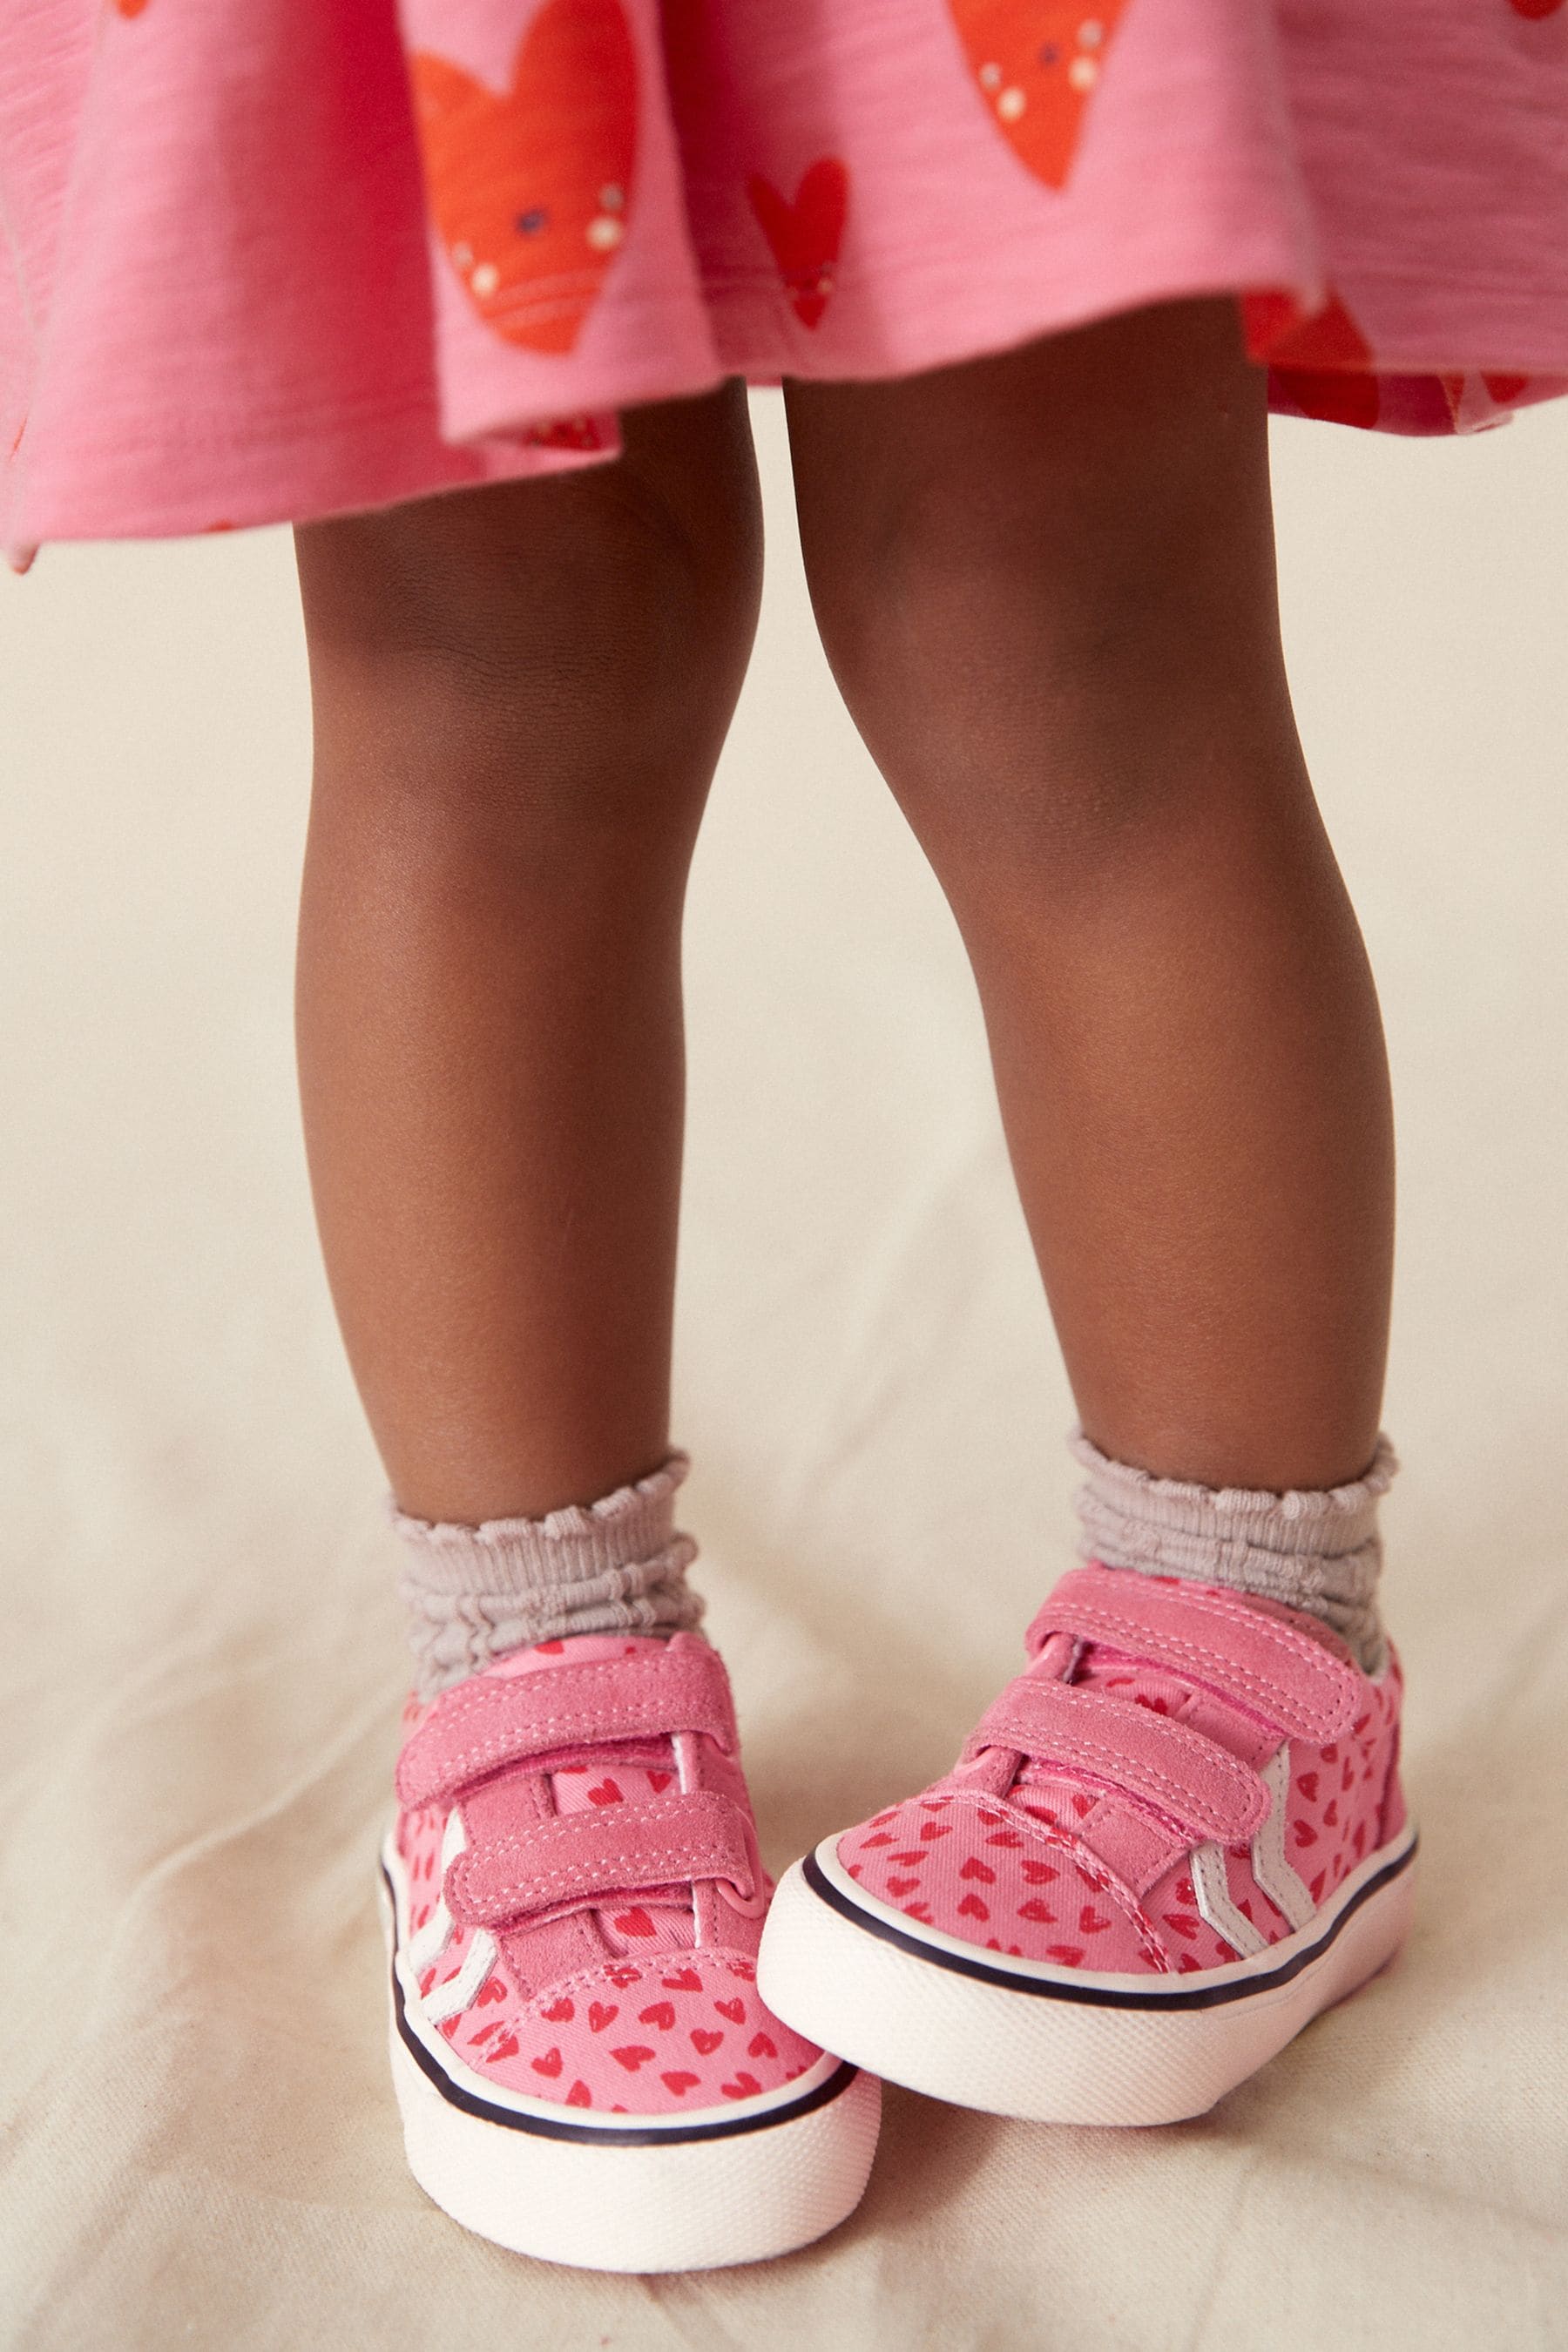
pixel 584 2067
pixel 1175 1838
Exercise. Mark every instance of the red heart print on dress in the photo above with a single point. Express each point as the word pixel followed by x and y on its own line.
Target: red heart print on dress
pixel 804 237
pixel 531 186
pixel 1037 63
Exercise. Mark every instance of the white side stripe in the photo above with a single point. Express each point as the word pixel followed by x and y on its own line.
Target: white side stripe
pixel 1278 1881
pixel 1212 1887
pixel 447 2000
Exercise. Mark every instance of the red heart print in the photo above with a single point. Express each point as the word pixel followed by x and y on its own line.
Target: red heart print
pixel 703 2042
pixel 1308 1784
pixel 883 1837
pixel 1531 9
pixel 621 1975
pixel 1090 1922
pixel 918 1911
pixel 607 1793
pixel 911 1860
pixel 661 2014
pixel 762 2045
pixel 855 1868
pixel 491 1989
pixel 1324 360
pixel 686 1980
pixel 735 2010
pixel 427 1979
pixel 1037 67
pixel 530 187
pixel 579 2096
pixel 935 1804
pixel 745 2086
pixel 634 1923
pixel 1069 1954
pixel 1316 1888
pixel 930 1830
pixel 562 2011
pixel 1038 1873
pixel 1182 1927
pixel 549 2064
pixel 506 2048
pixel 902 1885
pixel 1304 1833
pixel 743 1969
pixel 484 2032
pixel 1038 1911
pixel 659 1781
pixel 804 237
pixel 1331 1813
pixel 601 2014
pixel 1184 1893
pixel 972 1907
pixel 973 1868
pixel 450 2024
pixel 550 1649
pixel 631 2055
pixel 1082 1805
pixel 680 2083
pixel 1005 1837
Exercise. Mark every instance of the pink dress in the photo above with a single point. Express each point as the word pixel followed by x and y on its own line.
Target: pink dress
pixel 274 259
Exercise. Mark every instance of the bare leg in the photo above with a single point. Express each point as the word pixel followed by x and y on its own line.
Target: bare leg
pixel 1046 582
pixel 519 695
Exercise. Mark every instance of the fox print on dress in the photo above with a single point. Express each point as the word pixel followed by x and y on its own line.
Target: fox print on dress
pixel 530 187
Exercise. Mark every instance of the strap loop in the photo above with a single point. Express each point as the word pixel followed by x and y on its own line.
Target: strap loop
pixel 1176 1770
pixel 496 1720
pixel 1294 1682
pixel 613 1849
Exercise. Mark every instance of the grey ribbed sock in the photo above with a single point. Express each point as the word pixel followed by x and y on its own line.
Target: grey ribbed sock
pixel 614 1566
pixel 1319 1550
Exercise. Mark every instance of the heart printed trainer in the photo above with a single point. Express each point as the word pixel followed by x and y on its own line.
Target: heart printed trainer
pixel 1171 1841
pixel 585 2069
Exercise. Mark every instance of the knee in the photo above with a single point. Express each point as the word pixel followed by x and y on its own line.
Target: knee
pixel 1032 638
pixel 547 666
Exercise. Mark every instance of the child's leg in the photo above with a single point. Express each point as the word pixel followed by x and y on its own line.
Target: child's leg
pixel 1046 584
pixel 519 695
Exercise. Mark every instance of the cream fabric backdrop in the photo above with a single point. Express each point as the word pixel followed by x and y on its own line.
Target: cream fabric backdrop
pixel 200 1660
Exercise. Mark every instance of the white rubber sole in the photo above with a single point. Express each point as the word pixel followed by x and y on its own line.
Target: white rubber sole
pixel 1061 2045
pixel 738 2184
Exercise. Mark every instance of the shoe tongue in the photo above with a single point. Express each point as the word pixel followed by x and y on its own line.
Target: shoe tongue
pixel 627 1772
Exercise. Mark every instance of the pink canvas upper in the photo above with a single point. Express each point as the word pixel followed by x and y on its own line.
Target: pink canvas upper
pixel 609 1856
pixel 1137 1738
pixel 272 259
